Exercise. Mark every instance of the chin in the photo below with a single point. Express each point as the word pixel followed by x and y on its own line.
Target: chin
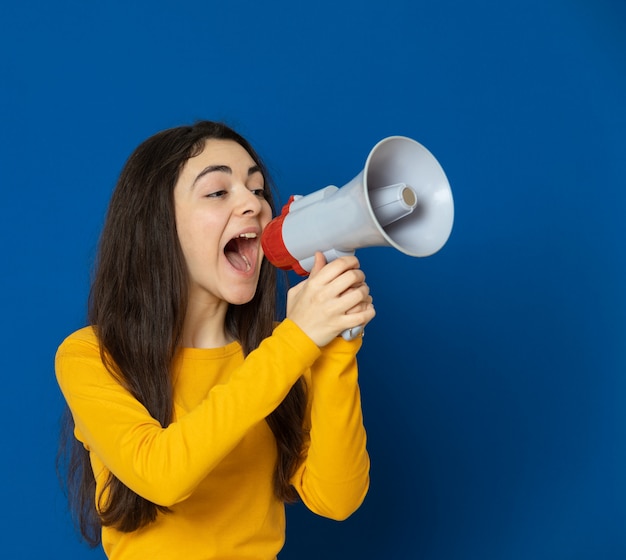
pixel 241 298
pixel 242 290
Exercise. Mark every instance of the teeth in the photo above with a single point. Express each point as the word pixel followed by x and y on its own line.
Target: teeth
pixel 245 259
pixel 248 235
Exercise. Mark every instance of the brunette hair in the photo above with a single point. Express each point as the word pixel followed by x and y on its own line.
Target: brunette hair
pixel 137 306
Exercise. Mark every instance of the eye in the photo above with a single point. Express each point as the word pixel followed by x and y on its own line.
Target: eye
pixel 260 192
pixel 215 194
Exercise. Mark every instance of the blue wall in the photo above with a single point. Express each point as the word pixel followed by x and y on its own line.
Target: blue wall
pixel 493 377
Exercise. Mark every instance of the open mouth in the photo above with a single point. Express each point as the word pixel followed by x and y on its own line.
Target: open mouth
pixel 241 251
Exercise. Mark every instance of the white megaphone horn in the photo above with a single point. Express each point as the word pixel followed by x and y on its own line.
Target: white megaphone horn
pixel 401 199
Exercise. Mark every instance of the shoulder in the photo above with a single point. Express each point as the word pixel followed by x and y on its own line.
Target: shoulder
pixel 80 347
pixel 78 362
pixel 84 339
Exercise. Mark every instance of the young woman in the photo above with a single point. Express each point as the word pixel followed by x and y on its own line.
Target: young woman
pixel 195 415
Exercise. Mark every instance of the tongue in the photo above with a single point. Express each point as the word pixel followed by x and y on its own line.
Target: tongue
pixel 238 261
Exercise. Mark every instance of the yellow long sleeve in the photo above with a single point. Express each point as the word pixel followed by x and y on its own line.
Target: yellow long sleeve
pixel 213 464
pixel 334 478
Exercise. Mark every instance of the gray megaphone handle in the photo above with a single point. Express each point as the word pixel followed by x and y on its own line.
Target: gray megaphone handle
pixel 351 334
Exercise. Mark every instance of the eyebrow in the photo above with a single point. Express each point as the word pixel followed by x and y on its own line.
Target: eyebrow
pixel 223 169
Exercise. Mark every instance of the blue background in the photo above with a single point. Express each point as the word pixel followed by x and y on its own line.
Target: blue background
pixel 493 376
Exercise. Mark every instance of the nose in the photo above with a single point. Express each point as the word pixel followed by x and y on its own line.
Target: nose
pixel 249 203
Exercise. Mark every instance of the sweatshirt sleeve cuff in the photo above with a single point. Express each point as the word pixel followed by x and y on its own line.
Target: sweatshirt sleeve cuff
pixel 297 339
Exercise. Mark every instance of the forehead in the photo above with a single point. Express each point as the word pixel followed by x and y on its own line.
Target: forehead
pixel 223 155
pixel 220 152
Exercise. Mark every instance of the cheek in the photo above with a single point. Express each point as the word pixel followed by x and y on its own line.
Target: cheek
pixel 266 214
pixel 196 234
pixel 184 227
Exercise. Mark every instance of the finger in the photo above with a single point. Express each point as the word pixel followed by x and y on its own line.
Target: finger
pixel 318 263
pixel 348 281
pixel 356 300
pixel 360 318
pixel 363 306
pixel 336 268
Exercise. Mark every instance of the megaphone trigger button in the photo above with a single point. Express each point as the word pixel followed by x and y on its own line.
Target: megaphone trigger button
pixel 353 332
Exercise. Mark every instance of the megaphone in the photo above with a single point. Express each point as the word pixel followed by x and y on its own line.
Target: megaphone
pixel 401 199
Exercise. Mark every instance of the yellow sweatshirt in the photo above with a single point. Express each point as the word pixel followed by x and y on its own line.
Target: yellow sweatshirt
pixel 213 464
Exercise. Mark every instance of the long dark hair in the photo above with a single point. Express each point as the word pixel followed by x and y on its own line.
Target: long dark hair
pixel 137 306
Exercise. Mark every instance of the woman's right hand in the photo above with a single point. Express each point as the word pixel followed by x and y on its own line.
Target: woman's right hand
pixel 331 300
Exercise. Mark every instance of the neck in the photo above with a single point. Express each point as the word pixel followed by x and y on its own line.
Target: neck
pixel 204 325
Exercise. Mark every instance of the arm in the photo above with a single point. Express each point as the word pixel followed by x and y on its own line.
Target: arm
pixel 164 465
pixel 334 477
